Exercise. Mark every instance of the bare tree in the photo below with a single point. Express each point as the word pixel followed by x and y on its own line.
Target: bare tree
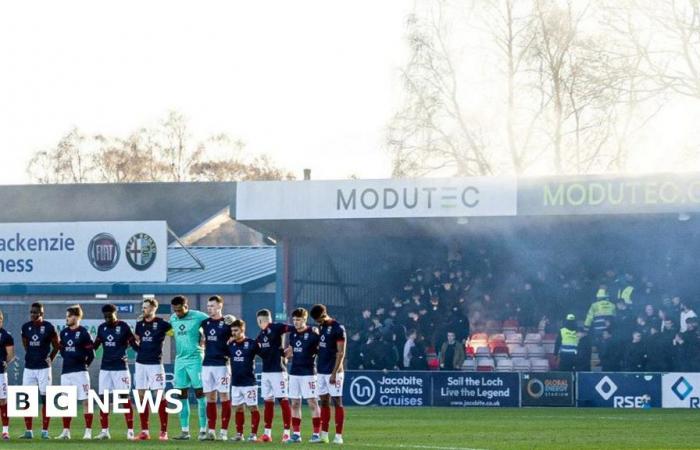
pixel 560 92
pixel 431 133
pixel 167 152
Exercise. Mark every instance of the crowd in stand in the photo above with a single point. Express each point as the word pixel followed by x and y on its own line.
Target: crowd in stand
pixel 436 308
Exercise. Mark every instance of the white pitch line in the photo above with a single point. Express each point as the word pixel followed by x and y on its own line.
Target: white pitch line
pixel 427 447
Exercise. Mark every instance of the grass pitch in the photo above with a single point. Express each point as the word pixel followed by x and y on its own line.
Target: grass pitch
pixel 438 429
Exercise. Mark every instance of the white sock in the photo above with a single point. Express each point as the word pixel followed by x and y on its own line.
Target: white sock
pixel 105 430
pixel 185 429
pixel 6 429
pixel 286 432
pixel 338 435
pixel 66 430
pixel 268 432
pixel 212 431
pixel 324 433
pixel 203 430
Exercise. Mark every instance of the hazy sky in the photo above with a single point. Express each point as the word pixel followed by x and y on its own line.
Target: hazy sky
pixel 311 83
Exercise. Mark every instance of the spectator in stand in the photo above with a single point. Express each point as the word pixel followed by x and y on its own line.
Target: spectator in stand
pixel 636 354
pixel 354 351
pixel 601 313
pixel 642 326
pixel 385 356
pixel 610 352
pixel 687 312
pixel 675 306
pixel 625 321
pixel 408 348
pixel 451 353
pixel 419 358
pixel 584 352
pixel 651 317
pixel 688 344
pixel 662 318
pixel 566 345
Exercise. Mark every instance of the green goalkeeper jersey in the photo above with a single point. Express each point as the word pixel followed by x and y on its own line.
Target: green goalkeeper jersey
pixel 188 336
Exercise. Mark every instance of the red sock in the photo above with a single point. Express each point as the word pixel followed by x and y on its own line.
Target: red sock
pixel 129 417
pixel 144 416
pixel 269 413
pixel 45 421
pixel 339 419
pixel 3 415
pixel 325 418
pixel 104 420
pixel 211 415
pixel 255 421
pixel 66 422
pixel 286 413
pixel 316 421
pixel 240 420
pixel 28 423
pixel 225 414
pixel 163 415
pixel 88 420
pixel 296 424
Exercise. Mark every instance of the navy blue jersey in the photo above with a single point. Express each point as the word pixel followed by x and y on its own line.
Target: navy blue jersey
pixel 39 336
pixel 151 335
pixel 216 336
pixel 243 362
pixel 77 349
pixel 5 341
pixel 304 348
pixel 270 346
pixel 115 339
pixel 332 333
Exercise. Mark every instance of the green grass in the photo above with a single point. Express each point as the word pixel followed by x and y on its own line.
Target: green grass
pixel 446 429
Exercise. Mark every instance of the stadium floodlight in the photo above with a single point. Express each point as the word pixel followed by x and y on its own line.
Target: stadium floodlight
pixel 146 296
pixel 683 217
pixel 463 221
pixel 101 296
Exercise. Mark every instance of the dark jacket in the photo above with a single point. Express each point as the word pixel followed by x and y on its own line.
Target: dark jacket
pixel 457 359
pixel 635 357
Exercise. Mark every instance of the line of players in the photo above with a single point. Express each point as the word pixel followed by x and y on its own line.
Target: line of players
pixel 214 358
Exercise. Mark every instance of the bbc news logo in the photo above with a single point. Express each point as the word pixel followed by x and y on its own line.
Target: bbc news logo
pixel 62 401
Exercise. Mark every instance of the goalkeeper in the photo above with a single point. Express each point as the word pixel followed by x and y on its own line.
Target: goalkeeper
pixel 186 328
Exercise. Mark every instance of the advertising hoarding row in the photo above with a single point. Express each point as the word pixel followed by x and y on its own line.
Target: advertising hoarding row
pixel 489 389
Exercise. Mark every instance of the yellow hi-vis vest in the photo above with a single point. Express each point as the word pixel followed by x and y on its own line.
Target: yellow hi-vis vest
pixel 598 313
pixel 626 294
pixel 569 341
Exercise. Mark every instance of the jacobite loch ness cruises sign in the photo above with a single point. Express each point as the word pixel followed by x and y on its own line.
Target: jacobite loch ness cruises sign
pixel 60 252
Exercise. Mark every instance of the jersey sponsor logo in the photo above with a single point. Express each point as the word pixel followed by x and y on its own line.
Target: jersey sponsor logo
pixel 103 252
pixel 141 251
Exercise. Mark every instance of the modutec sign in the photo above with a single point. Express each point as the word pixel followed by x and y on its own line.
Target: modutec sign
pixel 451 197
pixel 83 252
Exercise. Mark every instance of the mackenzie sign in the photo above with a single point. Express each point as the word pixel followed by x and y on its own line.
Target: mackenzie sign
pixel 450 197
pixel 83 252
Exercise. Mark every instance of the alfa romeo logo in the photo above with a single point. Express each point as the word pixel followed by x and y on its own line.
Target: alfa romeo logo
pixel 103 252
pixel 141 251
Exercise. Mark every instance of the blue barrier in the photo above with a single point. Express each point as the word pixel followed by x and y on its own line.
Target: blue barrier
pixel 619 390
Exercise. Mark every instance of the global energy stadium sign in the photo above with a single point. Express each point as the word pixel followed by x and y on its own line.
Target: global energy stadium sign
pixel 69 252
pixel 449 197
